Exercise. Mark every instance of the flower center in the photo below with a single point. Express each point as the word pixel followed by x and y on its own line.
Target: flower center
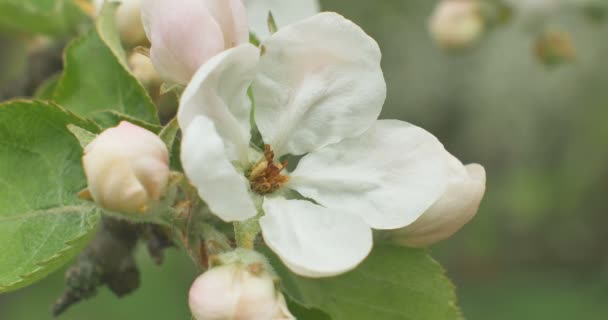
pixel 265 176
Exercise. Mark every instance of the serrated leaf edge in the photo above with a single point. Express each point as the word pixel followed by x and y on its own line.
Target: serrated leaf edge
pixel 79 241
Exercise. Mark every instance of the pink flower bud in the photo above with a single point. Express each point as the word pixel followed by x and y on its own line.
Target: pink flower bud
pixel 186 33
pixel 127 167
pixel 456 24
pixel 232 292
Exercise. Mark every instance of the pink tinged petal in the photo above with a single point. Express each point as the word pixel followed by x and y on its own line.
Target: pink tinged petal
pixel 389 176
pixel 284 11
pixel 319 82
pixel 206 165
pixel 314 241
pixel 457 206
pixel 183 34
pixel 232 19
pixel 218 91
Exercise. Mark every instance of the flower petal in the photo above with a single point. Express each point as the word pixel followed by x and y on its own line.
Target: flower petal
pixel 314 241
pixel 218 91
pixel 389 175
pixel 284 11
pixel 210 171
pixel 183 35
pixel 319 82
pixel 232 18
pixel 454 209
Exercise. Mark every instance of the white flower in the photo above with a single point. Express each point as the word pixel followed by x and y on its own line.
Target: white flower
pixel 457 206
pixel 318 90
pixel 234 292
pixel 284 12
pixel 456 24
pixel 185 33
pixel 128 19
pixel 127 167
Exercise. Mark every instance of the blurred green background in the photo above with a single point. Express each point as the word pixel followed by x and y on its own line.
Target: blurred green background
pixel 538 246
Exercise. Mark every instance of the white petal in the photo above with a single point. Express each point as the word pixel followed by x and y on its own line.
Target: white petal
pixel 454 209
pixel 389 175
pixel 284 11
pixel 314 241
pixel 218 91
pixel 210 171
pixel 319 82
pixel 183 35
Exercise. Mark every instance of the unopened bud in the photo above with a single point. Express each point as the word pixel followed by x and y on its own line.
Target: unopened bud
pixel 127 168
pixel 457 24
pixel 186 33
pixel 457 206
pixel 143 69
pixel 554 47
pixel 237 291
pixel 128 20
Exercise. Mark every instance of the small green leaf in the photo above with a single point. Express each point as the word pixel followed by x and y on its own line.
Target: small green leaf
pixel 84 137
pixel 43 225
pixel 95 80
pixel 49 17
pixel 108 119
pixel 272 25
pixel 393 283
pixel 171 138
pixel 46 89
pixel 108 31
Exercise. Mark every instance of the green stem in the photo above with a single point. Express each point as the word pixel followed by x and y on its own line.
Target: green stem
pixel 246 232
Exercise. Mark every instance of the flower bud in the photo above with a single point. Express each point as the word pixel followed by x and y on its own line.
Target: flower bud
pixel 235 291
pixel 186 33
pixel 128 19
pixel 456 24
pixel 127 167
pixel 554 48
pixel 457 206
pixel 143 69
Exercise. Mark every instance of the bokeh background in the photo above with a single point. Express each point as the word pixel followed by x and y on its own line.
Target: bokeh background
pixel 538 248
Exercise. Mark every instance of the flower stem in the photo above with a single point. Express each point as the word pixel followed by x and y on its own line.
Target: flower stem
pixel 246 232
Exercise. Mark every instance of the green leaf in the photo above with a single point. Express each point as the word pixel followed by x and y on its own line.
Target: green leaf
pixel 96 81
pixel 108 119
pixel 46 89
pixel 171 138
pixel 43 225
pixel 109 33
pixel 49 17
pixel 393 283
pixel 84 137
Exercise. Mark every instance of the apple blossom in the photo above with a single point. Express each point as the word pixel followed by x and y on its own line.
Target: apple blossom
pixel 127 167
pixel 237 292
pixel 284 11
pixel 185 33
pixel 128 19
pixel 457 206
pixel 456 24
pixel 318 89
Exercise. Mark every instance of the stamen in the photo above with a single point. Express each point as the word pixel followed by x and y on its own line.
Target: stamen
pixel 266 177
